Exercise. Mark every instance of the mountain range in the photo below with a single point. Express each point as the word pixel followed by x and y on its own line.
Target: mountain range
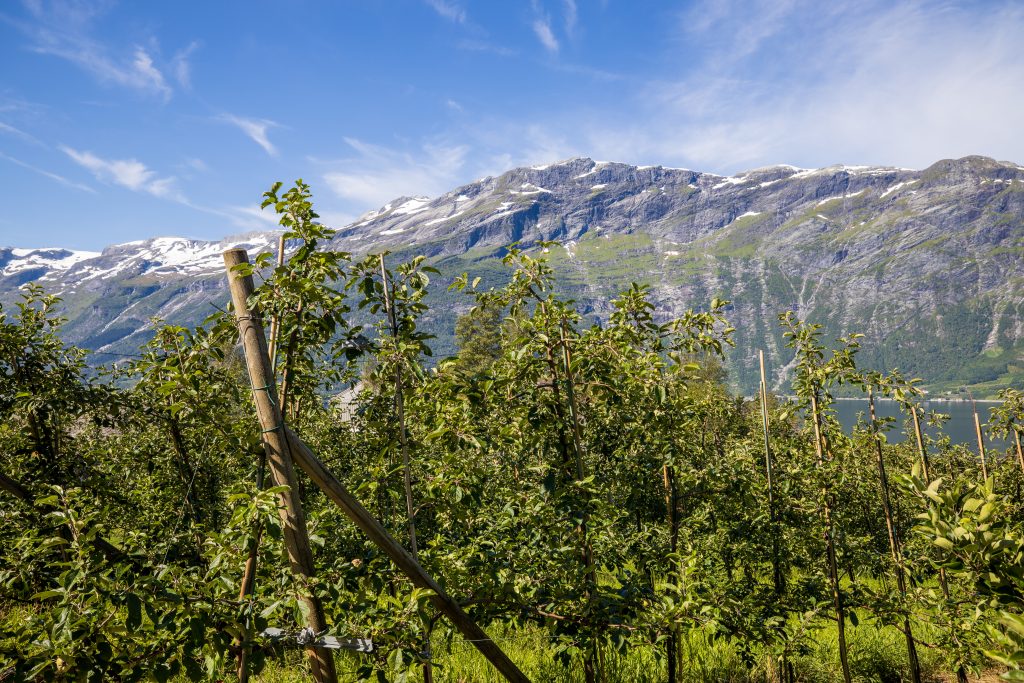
pixel 927 264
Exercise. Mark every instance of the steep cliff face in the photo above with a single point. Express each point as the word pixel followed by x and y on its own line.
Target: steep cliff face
pixel 928 264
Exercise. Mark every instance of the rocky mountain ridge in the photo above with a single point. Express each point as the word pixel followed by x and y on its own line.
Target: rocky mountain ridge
pixel 929 264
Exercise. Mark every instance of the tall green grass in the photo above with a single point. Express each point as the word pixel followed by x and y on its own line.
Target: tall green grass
pixel 877 653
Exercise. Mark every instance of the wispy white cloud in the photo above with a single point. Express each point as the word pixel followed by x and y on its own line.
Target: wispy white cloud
pixel 20 134
pixel 181 68
pixel 449 10
pixel 542 29
pixel 128 173
pixel 256 129
pixel 137 72
pixel 376 174
pixel 196 164
pixel 571 15
pixel 48 174
pixel 64 30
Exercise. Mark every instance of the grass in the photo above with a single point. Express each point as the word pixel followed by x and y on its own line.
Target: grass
pixel 877 653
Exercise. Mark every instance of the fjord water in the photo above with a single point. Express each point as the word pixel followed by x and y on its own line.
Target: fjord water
pixel 960 426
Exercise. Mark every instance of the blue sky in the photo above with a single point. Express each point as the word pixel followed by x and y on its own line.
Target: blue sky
pixel 126 120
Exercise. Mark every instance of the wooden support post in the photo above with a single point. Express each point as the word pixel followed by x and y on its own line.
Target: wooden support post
pixel 833 564
pixel 1016 440
pixel 293 520
pixel 249 575
pixel 961 673
pixel 402 558
pixel 403 437
pixel 336 491
pixel 275 323
pixel 592 667
pixel 778 579
pixel 981 442
pixel 895 543
pixel 925 465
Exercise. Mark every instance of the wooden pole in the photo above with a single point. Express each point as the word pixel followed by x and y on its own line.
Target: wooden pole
pixel 671 504
pixel 402 558
pixel 895 545
pixel 410 510
pixel 293 520
pixel 981 442
pixel 961 673
pixel 925 466
pixel 833 565
pixel 403 436
pixel 592 669
pixel 275 322
pixel 1016 439
pixel 777 576
pixel 311 465
pixel 249 575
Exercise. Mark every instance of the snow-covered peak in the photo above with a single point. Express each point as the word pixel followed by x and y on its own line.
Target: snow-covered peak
pixel 412 205
pixel 49 258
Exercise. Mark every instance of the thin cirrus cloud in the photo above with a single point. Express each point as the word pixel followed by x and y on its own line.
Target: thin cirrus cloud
pixel 571 17
pixel 255 129
pixel 136 176
pixel 20 134
pixel 448 10
pixel 181 67
pixel 542 29
pixel 137 72
pixel 47 174
pixel 63 30
pixel 129 173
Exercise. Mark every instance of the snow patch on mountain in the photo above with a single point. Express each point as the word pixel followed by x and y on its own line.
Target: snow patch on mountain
pixel 49 258
pixel 414 205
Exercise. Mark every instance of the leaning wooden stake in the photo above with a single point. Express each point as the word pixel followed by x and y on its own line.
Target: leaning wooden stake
pixel 402 558
pixel 336 491
pixel 925 465
pixel 895 545
pixel 961 673
pixel 1016 439
pixel 833 565
pixel 981 441
pixel 592 668
pixel 410 508
pixel 777 575
pixel 249 575
pixel 778 578
pixel 293 520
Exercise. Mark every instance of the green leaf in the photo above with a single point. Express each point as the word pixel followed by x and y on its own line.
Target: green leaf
pixel 134 607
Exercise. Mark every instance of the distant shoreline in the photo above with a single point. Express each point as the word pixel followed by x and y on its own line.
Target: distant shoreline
pixel 924 400
pixel 882 398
